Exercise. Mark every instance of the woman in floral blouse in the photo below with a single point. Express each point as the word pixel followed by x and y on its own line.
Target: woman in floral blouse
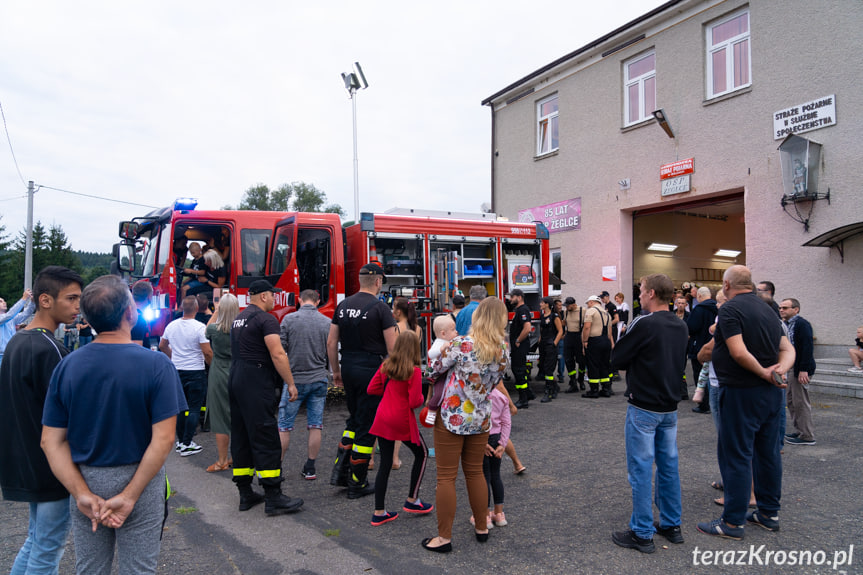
pixel 476 364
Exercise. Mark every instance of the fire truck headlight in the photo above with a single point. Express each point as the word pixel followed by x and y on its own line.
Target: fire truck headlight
pixel 150 314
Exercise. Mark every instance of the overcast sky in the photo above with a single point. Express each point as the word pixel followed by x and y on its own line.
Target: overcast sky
pixel 147 102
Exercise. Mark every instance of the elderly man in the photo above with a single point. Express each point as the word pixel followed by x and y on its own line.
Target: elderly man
pixel 751 355
pixel 596 339
pixel 464 318
pixel 109 424
pixel 366 329
pixel 259 365
pixel 653 353
pixel 799 405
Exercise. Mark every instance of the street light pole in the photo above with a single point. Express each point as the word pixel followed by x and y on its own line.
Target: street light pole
pixel 355 81
pixel 28 248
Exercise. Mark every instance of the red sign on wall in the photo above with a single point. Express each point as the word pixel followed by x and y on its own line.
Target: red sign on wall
pixel 675 169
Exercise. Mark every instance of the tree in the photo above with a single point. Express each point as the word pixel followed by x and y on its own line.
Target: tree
pixel 50 248
pixel 297 196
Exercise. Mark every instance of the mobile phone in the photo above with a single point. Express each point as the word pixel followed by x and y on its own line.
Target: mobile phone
pixel 778 379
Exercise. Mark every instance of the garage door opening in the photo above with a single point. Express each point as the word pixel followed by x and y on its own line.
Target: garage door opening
pixel 694 232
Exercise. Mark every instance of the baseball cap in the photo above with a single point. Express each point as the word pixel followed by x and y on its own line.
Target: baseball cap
pixel 595 298
pixel 458 299
pixel 373 269
pixel 516 292
pixel 569 301
pixel 603 294
pixel 260 286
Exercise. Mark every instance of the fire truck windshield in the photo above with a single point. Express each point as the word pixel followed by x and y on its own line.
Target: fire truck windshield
pixel 154 244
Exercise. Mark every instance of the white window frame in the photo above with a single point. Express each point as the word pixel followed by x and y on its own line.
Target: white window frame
pixel 551 253
pixel 546 120
pixel 638 80
pixel 728 46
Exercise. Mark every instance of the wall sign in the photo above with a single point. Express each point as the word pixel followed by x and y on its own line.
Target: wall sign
pixel 675 169
pixel 805 117
pixel 557 217
pixel 678 185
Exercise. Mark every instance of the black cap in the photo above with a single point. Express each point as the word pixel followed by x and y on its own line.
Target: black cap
pixel 516 292
pixel 569 301
pixel 260 286
pixel 604 294
pixel 458 299
pixel 373 269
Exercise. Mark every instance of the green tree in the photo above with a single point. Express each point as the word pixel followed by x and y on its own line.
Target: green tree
pixel 50 248
pixel 296 196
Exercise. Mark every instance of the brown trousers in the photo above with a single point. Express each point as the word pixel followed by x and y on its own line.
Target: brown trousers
pixel 449 449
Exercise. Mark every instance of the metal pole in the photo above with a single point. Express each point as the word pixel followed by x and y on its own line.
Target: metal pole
pixel 356 161
pixel 28 249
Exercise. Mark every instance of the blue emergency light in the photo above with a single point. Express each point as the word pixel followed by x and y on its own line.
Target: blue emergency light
pixel 185 204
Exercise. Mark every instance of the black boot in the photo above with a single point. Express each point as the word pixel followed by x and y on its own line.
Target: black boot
pixel 248 497
pixel 278 503
pixel 555 389
pixel 529 393
pixel 549 390
pixel 522 402
pixel 573 386
pixel 581 381
pixel 341 468
pixel 594 391
pixel 606 389
pixel 358 483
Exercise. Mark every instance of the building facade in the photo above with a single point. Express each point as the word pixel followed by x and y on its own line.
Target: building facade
pixel 667 131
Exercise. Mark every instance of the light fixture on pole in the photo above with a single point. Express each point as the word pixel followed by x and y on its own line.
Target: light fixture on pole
pixel 662 120
pixel 355 81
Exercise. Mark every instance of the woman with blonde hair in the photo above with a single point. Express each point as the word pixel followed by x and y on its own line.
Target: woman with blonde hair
pixel 476 364
pixel 218 405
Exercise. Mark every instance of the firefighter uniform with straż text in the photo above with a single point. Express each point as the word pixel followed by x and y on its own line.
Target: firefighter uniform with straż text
pixel 254 390
pixel 597 352
pixel 361 320
pixel 518 354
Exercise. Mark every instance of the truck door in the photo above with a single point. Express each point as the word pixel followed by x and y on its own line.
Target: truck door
pixel 282 267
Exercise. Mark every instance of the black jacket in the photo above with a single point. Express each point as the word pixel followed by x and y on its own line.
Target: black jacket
pixel 699 322
pixel 653 353
pixel 804 347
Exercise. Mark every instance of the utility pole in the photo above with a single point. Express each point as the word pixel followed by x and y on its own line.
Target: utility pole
pixel 355 81
pixel 28 250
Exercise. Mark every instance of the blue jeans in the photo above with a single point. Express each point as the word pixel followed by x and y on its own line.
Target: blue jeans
pixel 46 539
pixel 195 388
pixel 714 405
pixel 561 362
pixel 652 437
pixel 749 449
pixel 84 340
pixel 314 395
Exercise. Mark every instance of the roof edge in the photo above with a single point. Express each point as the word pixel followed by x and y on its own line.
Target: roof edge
pixel 585 48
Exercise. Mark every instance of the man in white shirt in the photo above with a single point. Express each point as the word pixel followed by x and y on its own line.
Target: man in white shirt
pixel 186 343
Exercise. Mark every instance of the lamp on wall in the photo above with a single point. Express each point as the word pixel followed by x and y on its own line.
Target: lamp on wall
pixel 800 161
pixel 662 120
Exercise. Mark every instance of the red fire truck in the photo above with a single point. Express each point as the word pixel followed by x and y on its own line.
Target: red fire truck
pixel 427 258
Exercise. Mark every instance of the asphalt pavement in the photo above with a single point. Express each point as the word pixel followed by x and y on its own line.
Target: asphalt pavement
pixel 561 511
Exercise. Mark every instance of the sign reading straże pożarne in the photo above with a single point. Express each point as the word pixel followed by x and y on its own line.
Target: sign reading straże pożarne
pixel 805 117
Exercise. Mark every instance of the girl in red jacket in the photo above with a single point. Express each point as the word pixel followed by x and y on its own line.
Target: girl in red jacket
pixel 399 381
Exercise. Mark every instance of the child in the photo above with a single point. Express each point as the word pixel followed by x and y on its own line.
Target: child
pixel 399 381
pixel 856 353
pixel 444 330
pixel 498 437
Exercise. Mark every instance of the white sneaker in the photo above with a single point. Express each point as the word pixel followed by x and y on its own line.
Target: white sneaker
pixel 855 369
pixel 191 449
pixel 177 446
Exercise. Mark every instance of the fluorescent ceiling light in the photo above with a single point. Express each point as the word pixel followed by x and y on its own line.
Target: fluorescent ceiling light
pixel 661 247
pixel 727 253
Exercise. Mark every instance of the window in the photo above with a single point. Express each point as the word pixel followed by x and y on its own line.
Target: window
pixel 255 244
pixel 728 62
pixel 546 139
pixel 554 289
pixel 639 79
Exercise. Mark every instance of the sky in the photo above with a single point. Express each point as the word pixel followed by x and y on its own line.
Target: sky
pixel 149 102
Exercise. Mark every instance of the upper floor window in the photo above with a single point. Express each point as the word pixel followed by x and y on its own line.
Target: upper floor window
pixel 546 113
pixel 639 80
pixel 728 62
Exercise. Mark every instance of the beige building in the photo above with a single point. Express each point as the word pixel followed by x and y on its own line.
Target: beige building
pixel 578 145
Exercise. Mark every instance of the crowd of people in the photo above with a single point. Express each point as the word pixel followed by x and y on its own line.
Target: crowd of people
pixel 71 428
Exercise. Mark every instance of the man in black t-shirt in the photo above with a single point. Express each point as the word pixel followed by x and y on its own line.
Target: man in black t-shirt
pixel 750 353
pixel 366 329
pixel 519 333
pixel 259 364
pixel 25 373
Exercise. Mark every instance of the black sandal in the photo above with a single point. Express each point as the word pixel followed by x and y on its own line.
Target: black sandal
pixel 717 485
pixel 445 548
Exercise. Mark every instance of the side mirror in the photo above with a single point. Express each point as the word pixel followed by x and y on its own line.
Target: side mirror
pixel 129 230
pixel 125 257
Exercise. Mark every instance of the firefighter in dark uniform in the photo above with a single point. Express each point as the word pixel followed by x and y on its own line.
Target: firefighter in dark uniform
pixel 258 367
pixel 550 334
pixel 596 337
pixel 573 350
pixel 366 329
pixel 519 343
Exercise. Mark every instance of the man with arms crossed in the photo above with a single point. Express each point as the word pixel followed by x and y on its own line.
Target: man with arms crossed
pixel 652 350
pixel 799 405
pixel 25 372
pixel 750 357
pixel 109 420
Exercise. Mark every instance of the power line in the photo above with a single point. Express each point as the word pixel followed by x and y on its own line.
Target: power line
pixel 12 198
pixel 8 139
pixel 97 197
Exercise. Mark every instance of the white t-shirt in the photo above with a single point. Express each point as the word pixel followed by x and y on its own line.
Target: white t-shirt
pixel 185 337
pixel 434 350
